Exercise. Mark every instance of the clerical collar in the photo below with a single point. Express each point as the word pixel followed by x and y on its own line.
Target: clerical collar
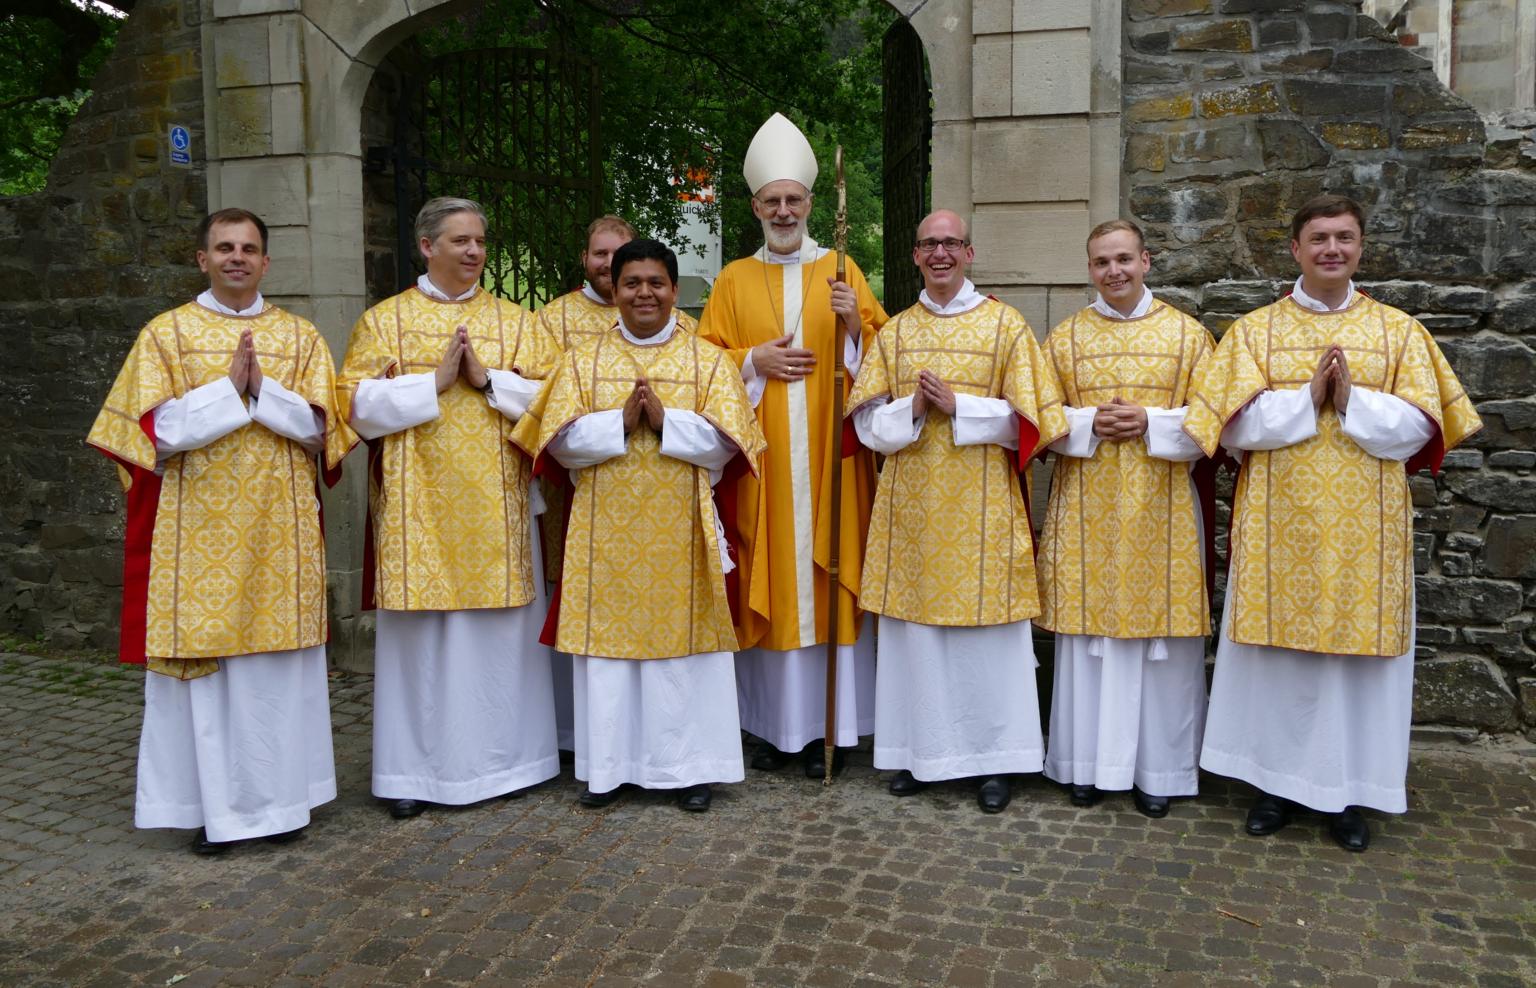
pixel 1306 301
pixel 808 248
pixel 432 291
pixel 657 340
pixel 591 293
pixel 207 301
pixel 964 301
pixel 1108 311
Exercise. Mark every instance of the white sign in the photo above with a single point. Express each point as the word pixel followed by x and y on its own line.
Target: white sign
pixel 181 146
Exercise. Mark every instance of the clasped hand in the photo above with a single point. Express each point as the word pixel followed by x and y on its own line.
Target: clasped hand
pixel 1331 382
pixel 1120 420
pixel 932 393
pixel 460 360
pixel 642 405
pixel 778 360
pixel 244 368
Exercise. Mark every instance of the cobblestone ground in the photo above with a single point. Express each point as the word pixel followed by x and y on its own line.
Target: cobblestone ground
pixel 784 883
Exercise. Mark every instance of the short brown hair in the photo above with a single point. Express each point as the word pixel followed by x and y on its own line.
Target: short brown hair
pixel 233 214
pixel 609 224
pixel 1326 205
pixel 1115 226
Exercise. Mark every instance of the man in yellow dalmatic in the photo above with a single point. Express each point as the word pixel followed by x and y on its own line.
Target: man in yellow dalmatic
pixel 1331 399
pixel 215 422
pixel 646 419
pixel 434 378
pixel 779 314
pixel 1121 553
pixel 958 396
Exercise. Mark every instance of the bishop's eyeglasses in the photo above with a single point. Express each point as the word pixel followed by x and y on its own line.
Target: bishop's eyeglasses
pixel 795 203
pixel 952 244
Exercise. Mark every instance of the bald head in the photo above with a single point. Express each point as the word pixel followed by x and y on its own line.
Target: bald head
pixel 949 220
pixel 942 253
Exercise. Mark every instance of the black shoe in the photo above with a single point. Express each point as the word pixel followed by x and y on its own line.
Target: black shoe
pixel 288 836
pixel 1350 829
pixel 994 794
pixel 815 755
pixel 1269 814
pixel 202 845
pixel 695 799
pixel 1152 806
pixel 767 758
pixel 903 784
pixel 404 809
pixel 1085 795
pixel 597 800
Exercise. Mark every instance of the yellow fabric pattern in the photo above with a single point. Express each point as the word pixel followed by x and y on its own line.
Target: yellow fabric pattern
pixel 1322 553
pixel 450 510
pixel 1120 552
pixel 642 576
pixel 746 308
pixel 949 539
pixel 237 563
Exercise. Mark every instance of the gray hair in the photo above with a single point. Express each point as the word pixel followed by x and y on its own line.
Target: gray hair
pixel 429 222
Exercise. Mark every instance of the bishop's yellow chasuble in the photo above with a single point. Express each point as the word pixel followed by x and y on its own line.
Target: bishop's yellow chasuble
pixel 949 537
pixel 784 514
pixel 448 499
pixel 643 577
pixel 1120 551
pixel 228 536
pixel 1321 544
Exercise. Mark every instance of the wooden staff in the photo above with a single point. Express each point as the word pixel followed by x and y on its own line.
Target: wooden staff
pixel 840 240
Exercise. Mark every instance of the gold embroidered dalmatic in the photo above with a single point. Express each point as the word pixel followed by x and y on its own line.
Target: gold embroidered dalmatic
pixel 236 559
pixel 1321 544
pixel 448 499
pixel 949 537
pixel 643 577
pixel 784 516
pixel 1120 550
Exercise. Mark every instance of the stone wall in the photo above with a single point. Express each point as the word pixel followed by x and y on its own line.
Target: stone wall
pixel 83 265
pixel 1238 110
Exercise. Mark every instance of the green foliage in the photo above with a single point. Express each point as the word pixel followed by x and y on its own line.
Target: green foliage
pixel 686 83
pixel 50 53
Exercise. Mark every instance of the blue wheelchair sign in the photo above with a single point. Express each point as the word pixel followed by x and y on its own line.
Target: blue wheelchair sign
pixel 181 146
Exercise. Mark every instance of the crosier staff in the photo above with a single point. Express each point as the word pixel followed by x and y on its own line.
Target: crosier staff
pixel 840 241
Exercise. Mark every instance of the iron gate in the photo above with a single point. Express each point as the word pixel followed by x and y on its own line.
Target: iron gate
pixel 515 129
pixel 908 119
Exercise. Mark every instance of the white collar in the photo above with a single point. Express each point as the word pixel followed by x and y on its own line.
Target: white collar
pixel 1306 301
pixel 207 301
pixel 1108 311
pixel 808 248
pixel 591 293
pixel 657 340
pixel 432 291
pixel 964 301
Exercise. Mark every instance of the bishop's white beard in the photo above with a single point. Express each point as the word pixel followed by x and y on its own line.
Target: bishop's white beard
pixel 780 242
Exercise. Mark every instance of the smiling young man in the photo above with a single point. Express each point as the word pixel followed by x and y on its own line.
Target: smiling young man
pixel 434 379
pixel 1331 400
pixel 958 397
pixel 646 419
pixel 1128 696
pixel 215 422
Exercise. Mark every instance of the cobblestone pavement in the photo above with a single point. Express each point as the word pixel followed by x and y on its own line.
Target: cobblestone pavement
pixel 783 883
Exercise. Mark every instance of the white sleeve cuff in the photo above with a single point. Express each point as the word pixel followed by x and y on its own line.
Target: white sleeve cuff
pixel 1273 420
pixel 853 353
pixel 692 438
pixel 199 417
pixel 754 382
pixel 1385 426
pixel 590 440
pixel 381 407
pixel 985 420
pixel 886 426
pixel 1166 438
pixel 510 393
pixel 1080 441
pixel 288 415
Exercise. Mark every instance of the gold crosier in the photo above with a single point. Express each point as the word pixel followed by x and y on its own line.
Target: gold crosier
pixel 840 242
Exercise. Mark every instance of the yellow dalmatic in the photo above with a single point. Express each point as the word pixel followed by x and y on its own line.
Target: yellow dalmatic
pixel 1120 550
pixel 949 537
pixel 643 577
pixel 784 514
pixel 1321 544
pixel 448 499
pixel 223 551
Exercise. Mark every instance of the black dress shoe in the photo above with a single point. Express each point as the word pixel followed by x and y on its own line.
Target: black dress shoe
pixel 202 845
pixel 903 784
pixel 695 799
pixel 1152 806
pixel 1350 829
pixel 597 800
pixel 404 809
pixel 1269 814
pixel 994 794
pixel 287 836
pixel 815 755
pixel 767 758
pixel 1085 795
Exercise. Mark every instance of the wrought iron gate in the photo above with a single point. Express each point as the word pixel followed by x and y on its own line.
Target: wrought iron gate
pixel 515 129
pixel 908 115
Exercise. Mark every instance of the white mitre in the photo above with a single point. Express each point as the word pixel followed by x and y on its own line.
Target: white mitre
pixel 779 150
